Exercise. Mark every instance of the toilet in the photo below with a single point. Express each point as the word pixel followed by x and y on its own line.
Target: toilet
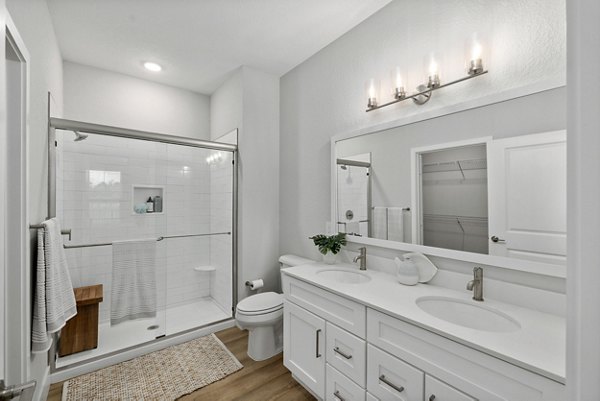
pixel 262 316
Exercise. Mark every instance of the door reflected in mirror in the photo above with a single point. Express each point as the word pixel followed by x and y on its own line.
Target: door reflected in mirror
pixel 430 184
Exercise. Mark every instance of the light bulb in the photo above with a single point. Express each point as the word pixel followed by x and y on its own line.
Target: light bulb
pixel 398 90
pixel 434 78
pixel 372 93
pixel 476 64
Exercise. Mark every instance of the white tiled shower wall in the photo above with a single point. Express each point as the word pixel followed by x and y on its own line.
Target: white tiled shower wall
pixel 221 202
pixel 97 175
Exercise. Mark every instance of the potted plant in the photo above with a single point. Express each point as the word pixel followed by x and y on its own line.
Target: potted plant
pixel 330 245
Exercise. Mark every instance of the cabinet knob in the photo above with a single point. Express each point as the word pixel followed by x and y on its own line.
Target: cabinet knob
pixel 432 397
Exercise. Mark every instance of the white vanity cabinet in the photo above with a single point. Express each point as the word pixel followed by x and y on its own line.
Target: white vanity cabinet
pixel 342 350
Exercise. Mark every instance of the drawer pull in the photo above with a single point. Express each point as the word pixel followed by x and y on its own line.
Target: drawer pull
pixel 338 351
pixel 432 397
pixel 317 344
pixel 338 396
pixel 392 385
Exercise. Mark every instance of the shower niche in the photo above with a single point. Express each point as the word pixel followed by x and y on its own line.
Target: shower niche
pixel 142 194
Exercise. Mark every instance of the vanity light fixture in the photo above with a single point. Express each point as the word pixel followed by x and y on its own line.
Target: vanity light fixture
pixel 424 91
pixel 153 67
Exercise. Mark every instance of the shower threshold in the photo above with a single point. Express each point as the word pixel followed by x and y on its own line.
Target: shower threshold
pixel 129 334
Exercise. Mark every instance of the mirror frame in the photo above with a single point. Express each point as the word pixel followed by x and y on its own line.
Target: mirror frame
pixel 523 265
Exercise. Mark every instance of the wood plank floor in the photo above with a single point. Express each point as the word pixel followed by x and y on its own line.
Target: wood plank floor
pixel 258 381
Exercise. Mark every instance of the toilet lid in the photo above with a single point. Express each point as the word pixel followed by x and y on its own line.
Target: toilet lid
pixel 265 302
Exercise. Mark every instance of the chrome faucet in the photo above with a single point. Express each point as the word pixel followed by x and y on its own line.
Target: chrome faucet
pixel 476 284
pixel 362 257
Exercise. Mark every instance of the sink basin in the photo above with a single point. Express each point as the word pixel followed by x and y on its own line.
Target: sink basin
pixel 344 276
pixel 468 314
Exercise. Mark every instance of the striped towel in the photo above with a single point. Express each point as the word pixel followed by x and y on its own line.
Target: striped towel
pixel 54 299
pixel 133 289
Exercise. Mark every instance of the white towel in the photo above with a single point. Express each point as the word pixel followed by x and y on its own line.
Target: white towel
pixel 395 223
pixel 353 227
pixel 379 222
pixel 54 299
pixel 133 289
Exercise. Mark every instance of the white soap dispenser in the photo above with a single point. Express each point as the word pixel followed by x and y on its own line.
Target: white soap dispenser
pixel 407 272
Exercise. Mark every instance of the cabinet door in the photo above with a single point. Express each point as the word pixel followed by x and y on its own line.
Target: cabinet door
pixel 435 390
pixel 303 347
pixel 390 379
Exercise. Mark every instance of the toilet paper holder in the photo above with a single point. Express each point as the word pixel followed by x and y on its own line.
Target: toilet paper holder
pixel 255 284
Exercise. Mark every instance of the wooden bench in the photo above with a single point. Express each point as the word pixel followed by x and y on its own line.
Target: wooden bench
pixel 81 332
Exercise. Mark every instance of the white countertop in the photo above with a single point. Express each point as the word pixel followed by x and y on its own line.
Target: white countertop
pixel 538 346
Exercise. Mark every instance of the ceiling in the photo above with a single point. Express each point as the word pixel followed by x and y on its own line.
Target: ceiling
pixel 200 42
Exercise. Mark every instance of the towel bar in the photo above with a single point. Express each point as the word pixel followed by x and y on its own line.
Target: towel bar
pixel 63 232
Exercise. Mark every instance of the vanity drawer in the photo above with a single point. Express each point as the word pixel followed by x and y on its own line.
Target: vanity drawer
pixel 341 311
pixel 435 390
pixel 388 378
pixel 347 353
pixel 480 375
pixel 339 388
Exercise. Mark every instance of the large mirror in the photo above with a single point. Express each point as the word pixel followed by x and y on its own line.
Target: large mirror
pixel 459 182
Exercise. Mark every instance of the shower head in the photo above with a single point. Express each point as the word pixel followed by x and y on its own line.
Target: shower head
pixel 79 136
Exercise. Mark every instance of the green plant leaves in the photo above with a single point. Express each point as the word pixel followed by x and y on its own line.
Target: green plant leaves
pixel 331 243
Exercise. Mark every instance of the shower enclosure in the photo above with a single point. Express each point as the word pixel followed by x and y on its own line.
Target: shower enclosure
pixel 113 187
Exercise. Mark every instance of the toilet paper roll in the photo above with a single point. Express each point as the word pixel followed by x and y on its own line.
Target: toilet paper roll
pixel 256 284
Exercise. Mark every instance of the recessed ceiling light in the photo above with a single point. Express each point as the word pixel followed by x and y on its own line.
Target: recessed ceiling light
pixel 150 66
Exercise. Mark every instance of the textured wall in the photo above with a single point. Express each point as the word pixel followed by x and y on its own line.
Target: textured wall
pixel 324 96
pixel 105 97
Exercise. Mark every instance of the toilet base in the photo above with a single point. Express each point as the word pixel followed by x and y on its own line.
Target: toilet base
pixel 265 342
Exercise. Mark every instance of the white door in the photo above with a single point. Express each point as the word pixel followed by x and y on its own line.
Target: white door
pixel 527 197
pixel 14 233
pixel 304 347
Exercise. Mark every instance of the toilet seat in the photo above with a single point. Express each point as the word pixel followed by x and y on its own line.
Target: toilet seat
pixel 260 304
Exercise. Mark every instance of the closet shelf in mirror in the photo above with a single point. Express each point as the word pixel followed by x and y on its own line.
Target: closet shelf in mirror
pixel 443 218
pixel 457 165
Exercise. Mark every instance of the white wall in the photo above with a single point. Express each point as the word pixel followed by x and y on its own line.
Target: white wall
pixel 227 106
pixel 33 22
pixel 249 101
pixel 324 96
pixel 258 248
pixel 105 97
pixel 583 142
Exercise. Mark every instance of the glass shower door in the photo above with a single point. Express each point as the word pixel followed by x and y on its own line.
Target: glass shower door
pixel 103 187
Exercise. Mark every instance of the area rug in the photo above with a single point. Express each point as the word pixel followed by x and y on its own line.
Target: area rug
pixel 162 375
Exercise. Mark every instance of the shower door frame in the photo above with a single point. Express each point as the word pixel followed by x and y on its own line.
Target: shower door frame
pixel 91 128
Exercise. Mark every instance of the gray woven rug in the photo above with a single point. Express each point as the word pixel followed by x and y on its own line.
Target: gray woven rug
pixel 162 375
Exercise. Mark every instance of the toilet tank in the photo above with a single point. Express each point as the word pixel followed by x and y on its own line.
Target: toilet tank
pixel 286 261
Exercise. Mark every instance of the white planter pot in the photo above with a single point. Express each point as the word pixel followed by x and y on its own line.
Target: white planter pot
pixel 330 258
